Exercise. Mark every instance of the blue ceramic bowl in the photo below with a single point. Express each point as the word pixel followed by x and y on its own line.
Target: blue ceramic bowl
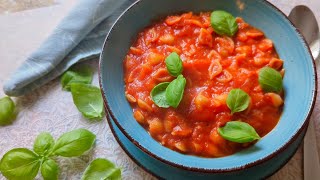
pixel 299 82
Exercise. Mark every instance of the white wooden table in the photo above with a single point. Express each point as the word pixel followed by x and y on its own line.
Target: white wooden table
pixel 24 24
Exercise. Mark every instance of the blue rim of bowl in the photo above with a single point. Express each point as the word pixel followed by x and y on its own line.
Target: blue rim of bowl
pixel 251 164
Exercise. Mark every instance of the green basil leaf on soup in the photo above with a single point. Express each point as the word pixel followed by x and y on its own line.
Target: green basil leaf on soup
pixel 49 170
pixel 158 95
pixel 175 90
pixel 74 143
pixel 81 74
pixel 43 144
pixel 238 100
pixel 88 100
pixel 7 111
pixel 174 64
pixel 101 169
pixel 270 80
pixel 223 23
pixel 20 163
pixel 237 131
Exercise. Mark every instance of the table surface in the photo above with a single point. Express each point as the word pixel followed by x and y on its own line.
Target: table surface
pixel 24 25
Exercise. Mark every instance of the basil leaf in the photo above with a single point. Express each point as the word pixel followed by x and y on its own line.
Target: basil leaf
pixel 43 143
pixel 158 95
pixel 237 100
pixel 74 143
pixel 174 64
pixel 7 111
pixel 223 23
pixel 82 74
pixel 101 169
pixel 49 170
pixel 88 100
pixel 20 163
pixel 270 80
pixel 237 131
pixel 174 91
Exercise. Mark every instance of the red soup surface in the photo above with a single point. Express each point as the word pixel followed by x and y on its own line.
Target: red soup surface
pixel 212 65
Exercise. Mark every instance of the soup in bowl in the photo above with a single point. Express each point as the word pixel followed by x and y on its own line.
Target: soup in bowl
pixel 180 87
pixel 203 91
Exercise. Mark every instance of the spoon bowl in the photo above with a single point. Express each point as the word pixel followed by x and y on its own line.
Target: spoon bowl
pixel 303 18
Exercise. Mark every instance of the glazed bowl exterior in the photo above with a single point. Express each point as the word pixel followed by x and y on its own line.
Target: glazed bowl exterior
pixel 299 82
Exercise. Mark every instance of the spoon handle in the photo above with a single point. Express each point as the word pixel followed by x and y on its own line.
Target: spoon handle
pixel 311 157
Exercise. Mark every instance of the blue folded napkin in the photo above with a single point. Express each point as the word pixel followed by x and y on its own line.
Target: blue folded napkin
pixel 78 37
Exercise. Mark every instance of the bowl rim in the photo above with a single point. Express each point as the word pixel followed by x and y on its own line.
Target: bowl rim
pixel 206 170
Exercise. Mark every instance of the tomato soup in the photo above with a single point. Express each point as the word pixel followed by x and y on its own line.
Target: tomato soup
pixel 213 65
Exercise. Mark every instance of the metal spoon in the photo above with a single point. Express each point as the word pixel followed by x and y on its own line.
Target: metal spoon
pixel 303 18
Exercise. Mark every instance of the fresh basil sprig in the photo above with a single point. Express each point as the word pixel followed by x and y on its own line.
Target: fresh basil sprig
pixel 237 131
pixel 88 100
pixel 7 111
pixel 170 94
pixel 22 163
pixel 101 169
pixel 175 90
pixel 158 95
pixel 238 100
pixel 223 23
pixel 81 74
pixel 174 64
pixel 270 80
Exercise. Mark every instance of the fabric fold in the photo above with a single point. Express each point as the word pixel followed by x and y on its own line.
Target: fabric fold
pixel 79 36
